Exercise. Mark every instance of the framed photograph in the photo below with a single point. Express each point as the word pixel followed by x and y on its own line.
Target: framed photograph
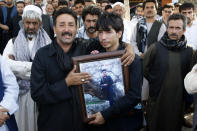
pixel 109 81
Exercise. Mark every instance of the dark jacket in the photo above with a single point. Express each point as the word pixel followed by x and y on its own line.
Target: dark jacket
pixel 123 106
pixel 50 91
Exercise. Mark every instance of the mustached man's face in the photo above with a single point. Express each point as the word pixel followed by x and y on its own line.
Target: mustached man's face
pixel 150 10
pixel 31 27
pixel 175 29
pixel 90 23
pixel 65 29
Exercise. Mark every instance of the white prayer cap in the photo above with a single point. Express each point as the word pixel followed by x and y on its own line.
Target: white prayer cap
pixel 118 3
pixel 33 8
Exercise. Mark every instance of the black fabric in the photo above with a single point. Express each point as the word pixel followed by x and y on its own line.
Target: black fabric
pixel 124 105
pixel 165 70
pixel 15 27
pixel 47 26
pixel 172 44
pixel 58 105
pixel 151 37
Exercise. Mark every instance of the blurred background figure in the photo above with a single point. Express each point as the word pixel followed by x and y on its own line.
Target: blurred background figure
pixel 79 6
pixel 167 11
pixel 176 8
pixel 16 25
pixel 62 4
pixel 2 3
pixel 104 3
pixel 139 13
pixel 89 2
pixel 49 9
pixel 108 8
pixel 27 2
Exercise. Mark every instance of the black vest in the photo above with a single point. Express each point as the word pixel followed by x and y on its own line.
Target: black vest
pixel 151 37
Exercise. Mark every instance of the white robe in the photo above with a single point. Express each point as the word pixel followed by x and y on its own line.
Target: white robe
pixel 10 99
pixel 26 117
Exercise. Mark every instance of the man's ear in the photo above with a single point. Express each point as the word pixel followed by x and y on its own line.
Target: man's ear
pixel 119 34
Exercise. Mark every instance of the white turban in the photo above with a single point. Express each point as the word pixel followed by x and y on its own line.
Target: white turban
pixel 118 3
pixel 33 8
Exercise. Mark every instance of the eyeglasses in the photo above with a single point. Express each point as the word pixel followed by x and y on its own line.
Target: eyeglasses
pixel 169 12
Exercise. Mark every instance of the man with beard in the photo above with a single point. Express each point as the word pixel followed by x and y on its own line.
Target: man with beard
pixel 187 9
pixel 165 61
pixel 119 8
pixel 9 12
pixel 20 52
pixel 90 16
pixel 54 81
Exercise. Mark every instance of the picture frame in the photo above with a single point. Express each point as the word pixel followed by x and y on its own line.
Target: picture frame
pixel 109 81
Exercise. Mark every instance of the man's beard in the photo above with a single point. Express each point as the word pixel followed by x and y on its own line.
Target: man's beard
pixel 91 30
pixel 31 35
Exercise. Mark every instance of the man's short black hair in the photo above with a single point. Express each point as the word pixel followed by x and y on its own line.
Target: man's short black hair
pixel 79 2
pixel 168 5
pixel 186 6
pixel 178 17
pixel 147 1
pixel 64 11
pixel 108 20
pixel 108 7
pixel 62 2
pixel 92 10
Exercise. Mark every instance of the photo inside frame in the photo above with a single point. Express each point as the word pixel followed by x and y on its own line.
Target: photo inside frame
pixel 106 84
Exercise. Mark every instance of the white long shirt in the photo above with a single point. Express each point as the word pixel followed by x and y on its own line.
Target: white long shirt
pixel 10 99
pixel 190 35
pixel 21 69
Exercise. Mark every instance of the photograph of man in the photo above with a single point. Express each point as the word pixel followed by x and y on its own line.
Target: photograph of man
pixel 107 87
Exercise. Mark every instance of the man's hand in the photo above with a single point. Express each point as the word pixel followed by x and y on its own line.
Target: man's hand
pixel 98 119
pixel 11 57
pixel 128 56
pixel 142 55
pixel 3 115
pixel 94 52
pixel 74 78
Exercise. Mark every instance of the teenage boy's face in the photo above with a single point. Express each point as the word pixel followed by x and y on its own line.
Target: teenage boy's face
pixel 109 39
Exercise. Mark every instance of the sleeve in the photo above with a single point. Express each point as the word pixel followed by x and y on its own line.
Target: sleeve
pixel 161 32
pixel 148 60
pixel 42 91
pixel 21 69
pixel 10 99
pixel 133 97
pixel 133 40
pixel 190 81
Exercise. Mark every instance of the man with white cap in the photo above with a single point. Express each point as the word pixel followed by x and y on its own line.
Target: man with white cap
pixel 119 8
pixel 20 52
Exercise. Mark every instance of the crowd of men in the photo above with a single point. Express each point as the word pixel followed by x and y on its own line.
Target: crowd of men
pixel 39 82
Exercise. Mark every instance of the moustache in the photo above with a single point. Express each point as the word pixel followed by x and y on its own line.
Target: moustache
pixel 149 12
pixel 92 28
pixel 173 34
pixel 67 33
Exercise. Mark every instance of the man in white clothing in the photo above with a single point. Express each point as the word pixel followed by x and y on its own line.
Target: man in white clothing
pixel 187 9
pixel 20 52
pixel 8 97
pixel 119 8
